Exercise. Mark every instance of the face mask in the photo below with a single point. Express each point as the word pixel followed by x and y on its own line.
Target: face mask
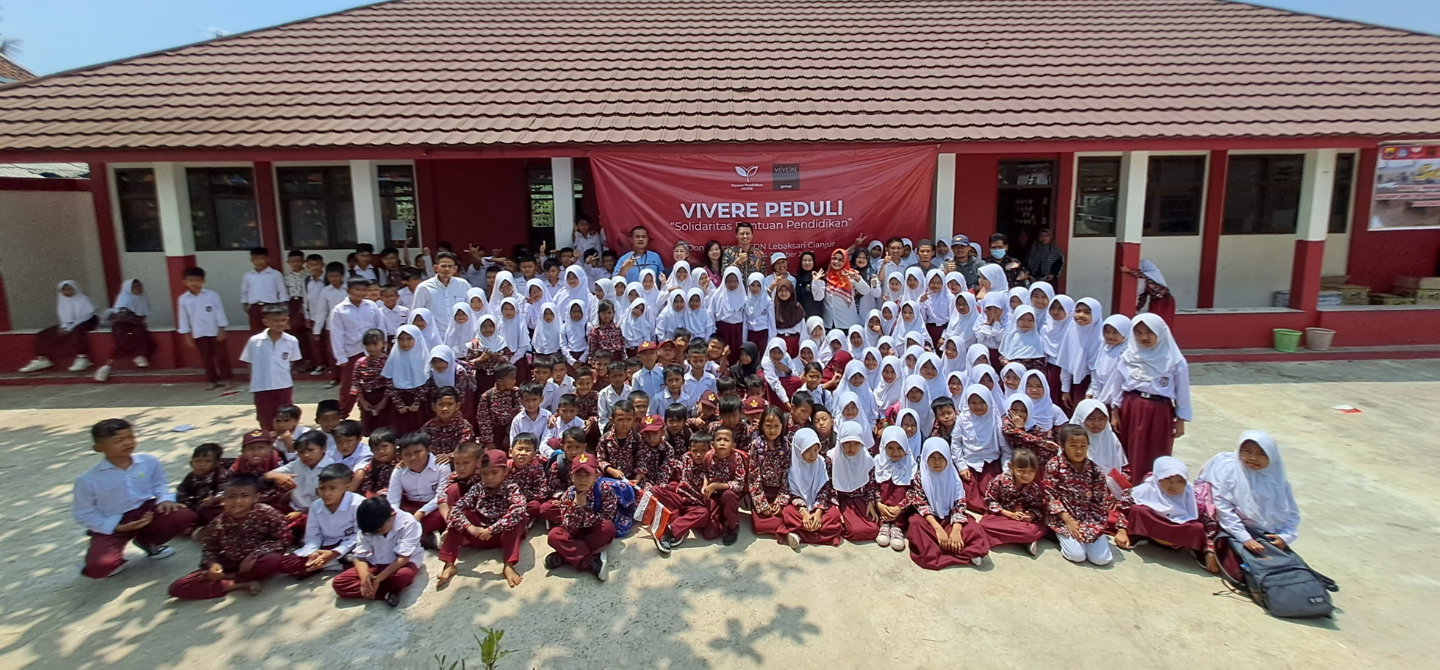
pixel 997 253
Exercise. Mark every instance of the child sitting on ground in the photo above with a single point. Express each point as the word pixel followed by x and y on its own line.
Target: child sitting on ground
pixel 1015 504
pixel 200 490
pixel 387 556
pixel 301 477
pixel 490 516
pixel 448 428
pixel 331 532
pixel 528 473
pixel 1079 502
pixel 243 546
pixel 374 477
pixel 585 526
pixel 413 485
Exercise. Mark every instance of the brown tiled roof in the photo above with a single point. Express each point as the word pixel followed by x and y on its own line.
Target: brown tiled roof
pixel 11 71
pixel 468 73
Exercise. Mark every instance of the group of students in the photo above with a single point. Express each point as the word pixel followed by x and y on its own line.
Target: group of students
pixel 1020 415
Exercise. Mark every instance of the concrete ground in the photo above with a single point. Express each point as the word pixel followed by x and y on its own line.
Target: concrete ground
pixel 1365 483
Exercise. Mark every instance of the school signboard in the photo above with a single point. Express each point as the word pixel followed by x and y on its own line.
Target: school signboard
pixel 1407 186
pixel 795 200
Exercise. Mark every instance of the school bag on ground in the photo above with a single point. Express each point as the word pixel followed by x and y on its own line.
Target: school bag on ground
pixel 625 510
pixel 1279 581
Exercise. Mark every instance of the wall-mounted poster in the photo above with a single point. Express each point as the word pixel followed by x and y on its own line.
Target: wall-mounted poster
pixel 1407 186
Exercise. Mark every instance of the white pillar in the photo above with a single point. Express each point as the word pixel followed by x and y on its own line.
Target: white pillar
pixel 172 198
pixel 944 197
pixel 365 190
pixel 1317 185
pixel 562 189
pixel 1130 211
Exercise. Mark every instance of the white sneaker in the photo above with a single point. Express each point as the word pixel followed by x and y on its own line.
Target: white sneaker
pixel 103 374
pixel 977 561
pixel 883 539
pixel 81 364
pixel 793 541
pixel 897 540
pixel 142 362
pixel 603 573
pixel 40 363
pixel 1034 548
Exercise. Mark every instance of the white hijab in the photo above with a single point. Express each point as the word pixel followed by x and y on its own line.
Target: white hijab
pixel 963 325
pixel 998 392
pixel 1054 332
pixel 912 444
pixel 1023 399
pixel 728 305
pixel 516 337
pixel 447 354
pixel 757 305
pixel 768 365
pixel 866 412
pixel 1109 356
pixel 474 293
pixel 671 318
pixel 408 369
pixel 1105 447
pixel 573 333
pixel 935 388
pixel 72 310
pixel 924 414
pixel 995 275
pixel 871 379
pixel 916 325
pixel 458 335
pixel 887 324
pixel 871 339
pixel 888 393
pixel 566 293
pixel 1019 371
pixel 1021 345
pixel 806 479
pixel 851 472
pixel 900 472
pixel 941 304
pixel 976 351
pixel 909 294
pixel 700 322
pixel 1144 364
pixel 1082 348
pixel 430 335
pixel 850 347
pixel 980 435
pixel 495 342
pixel 651 295
pixel 547 335
pixel 1262 497
pixel 943 488
pixel 502 277
pixel 1151 272
pixel 139 305
pixel 1046 414
pixel 637 329
pixel 1177 509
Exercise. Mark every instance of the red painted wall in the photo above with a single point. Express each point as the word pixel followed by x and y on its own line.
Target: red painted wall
pixel 1378 257
pixel 976 192
pixel 483 202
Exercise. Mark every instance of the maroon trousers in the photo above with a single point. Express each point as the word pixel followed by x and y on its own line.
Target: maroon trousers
pixel 734 335
pixel 1146 522
pixel 347 583
pixel 1163 308
pixel 268 402
pixel 935 332
pixel 858 526
pixel 829 532
pixel 369 420
pixel 979 482
pixel 107 552
pixel 132 337
pixel 508 542
pixel 347 384
pixel 432 523
pixel 198 585
pixel 724 514
pixel 56 343
pixel 215 358
pixel 300 332
pixel 925 549
pixel 255 311
pixel 1147 430
pixel 578 547
pixel 1000 530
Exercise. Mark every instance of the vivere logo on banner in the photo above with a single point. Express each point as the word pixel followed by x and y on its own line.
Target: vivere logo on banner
pixel 785 176
pixel 747 173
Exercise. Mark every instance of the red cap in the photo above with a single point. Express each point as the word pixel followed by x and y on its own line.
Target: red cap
pixel 496 457
pixel 648 345
pixel 256 437
pixel 753 405
pixel 584 463
pixel 652 423
pixel 709 399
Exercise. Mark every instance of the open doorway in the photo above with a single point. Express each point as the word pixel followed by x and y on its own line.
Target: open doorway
pixel 1025 203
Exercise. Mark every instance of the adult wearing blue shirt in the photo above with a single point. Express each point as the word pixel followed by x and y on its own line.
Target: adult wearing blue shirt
pixel 639 257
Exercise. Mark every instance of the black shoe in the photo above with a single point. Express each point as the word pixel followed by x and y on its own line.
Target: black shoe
pixel 553 561
pixel 675 542
pixel 731 536
pixel 392 599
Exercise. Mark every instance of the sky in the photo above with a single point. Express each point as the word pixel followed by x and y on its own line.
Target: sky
pixel 56 36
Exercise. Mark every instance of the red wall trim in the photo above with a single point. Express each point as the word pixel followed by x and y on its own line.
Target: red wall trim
pixel 105 226
pixel 266 208
pixel 1064 209
pixel 1122 298
pixel 1305 270
pixel 425 202
pixel 36 184
pixel 1214 224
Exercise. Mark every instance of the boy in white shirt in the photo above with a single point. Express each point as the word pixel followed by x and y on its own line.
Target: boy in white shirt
pixel 698 379
pixel 301 477
pixel 387 557
pixel 392 313
pixel 330 529
pixel 262 286
pixel 567 416
pixel 200 317
pixel 613 392
pixel 347 447
pixel 123 499
pixel 559 383
pixel 347 324
pixel 333 293
pixel 532 418
pixel 270 354
pixel 411 278
pixel 417 484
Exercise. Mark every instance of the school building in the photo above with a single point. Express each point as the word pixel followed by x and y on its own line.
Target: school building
pixel 1236 146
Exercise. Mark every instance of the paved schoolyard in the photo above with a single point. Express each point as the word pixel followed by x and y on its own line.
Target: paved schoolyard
pixel 1365 482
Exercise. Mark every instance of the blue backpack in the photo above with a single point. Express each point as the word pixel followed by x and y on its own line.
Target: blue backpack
pixel 625 510
pixel 1279 581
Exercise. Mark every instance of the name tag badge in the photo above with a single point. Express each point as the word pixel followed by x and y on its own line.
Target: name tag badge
pixel 1164 382
pixel 208 308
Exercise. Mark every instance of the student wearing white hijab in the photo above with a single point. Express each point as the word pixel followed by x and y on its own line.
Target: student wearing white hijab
pixel 497 294
pixel 952 357
pixel 986 376
pixel 834 343
pixel 963 320
pixel 698 319
pixel 1149 390
pixel 573 331
pixel 680 278
pixel 856 370
pixel 935 387
pixel 890 318
pixel 775 367
pixel 637 328
pixel 941 534
pixel 1165 510
pixel 854 481
pixel 912 441
pixel 923 412
pixel 1105 447
pixel 444 377
pixel 600 291
pixel 408 369
pixel 727 305
pixel 494 342
pixel 888 392
pixel 1152 292
pixel 977 354
pixel 573 286
pixel 545 340
pixel 914 285
pixel 1114 334
pixel 76 315
pixel 671 316
pixel 430 333
pixel 1252 494
pixel 513 328
pixel 1081 350
pixel 1023 343
pixel 991 325
pixel 977 445
pixel 815 520
pixel 844 401
pixel 938 302
pixel 1043 410
pixel 650 293
pixel 1055 333
pixel 895 471
pixel 855 349
pixel 461 329
pixel 993 279
pixel 128 327
pixel 759 310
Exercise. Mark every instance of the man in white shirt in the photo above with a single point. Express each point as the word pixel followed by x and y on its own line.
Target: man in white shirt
pixel 347 324
pixel 261 286
pixel 125 498
pixel 387 556
pixel 200 317
pixel 270 354
pixel 442 292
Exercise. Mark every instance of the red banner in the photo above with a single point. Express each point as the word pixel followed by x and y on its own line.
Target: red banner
pixel 794 200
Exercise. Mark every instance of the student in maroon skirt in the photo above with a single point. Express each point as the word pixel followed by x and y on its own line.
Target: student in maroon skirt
pixel 407 368
pixel 853 470
pixel 1163 508
pixel 1015 504
pixel 942 534
pixel 894 474
pixel 770 455
pixel 70 336
pixel 979 445
pixel 1055 332
pixel 128 326
pixel 370 386
pixel 1149 394
pixel 812 517
pixel 727 304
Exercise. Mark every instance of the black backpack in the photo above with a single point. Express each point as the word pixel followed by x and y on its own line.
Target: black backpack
pixel 1279 581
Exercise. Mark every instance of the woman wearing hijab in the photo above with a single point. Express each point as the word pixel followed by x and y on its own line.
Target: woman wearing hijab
pixel 941 534
pixel 128 326
pixel 810 295
pixel 812 517
pixel 854 481
pixel 728 306
pixel 1046 414
pixel 408 368
pixel 1152 288
pixel 844 288
pixel 574 286
pixel 1164 508
pixel 1149 394
pixel 977 444
pixel 69 337
pixel 1252 498
pixel 572 333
